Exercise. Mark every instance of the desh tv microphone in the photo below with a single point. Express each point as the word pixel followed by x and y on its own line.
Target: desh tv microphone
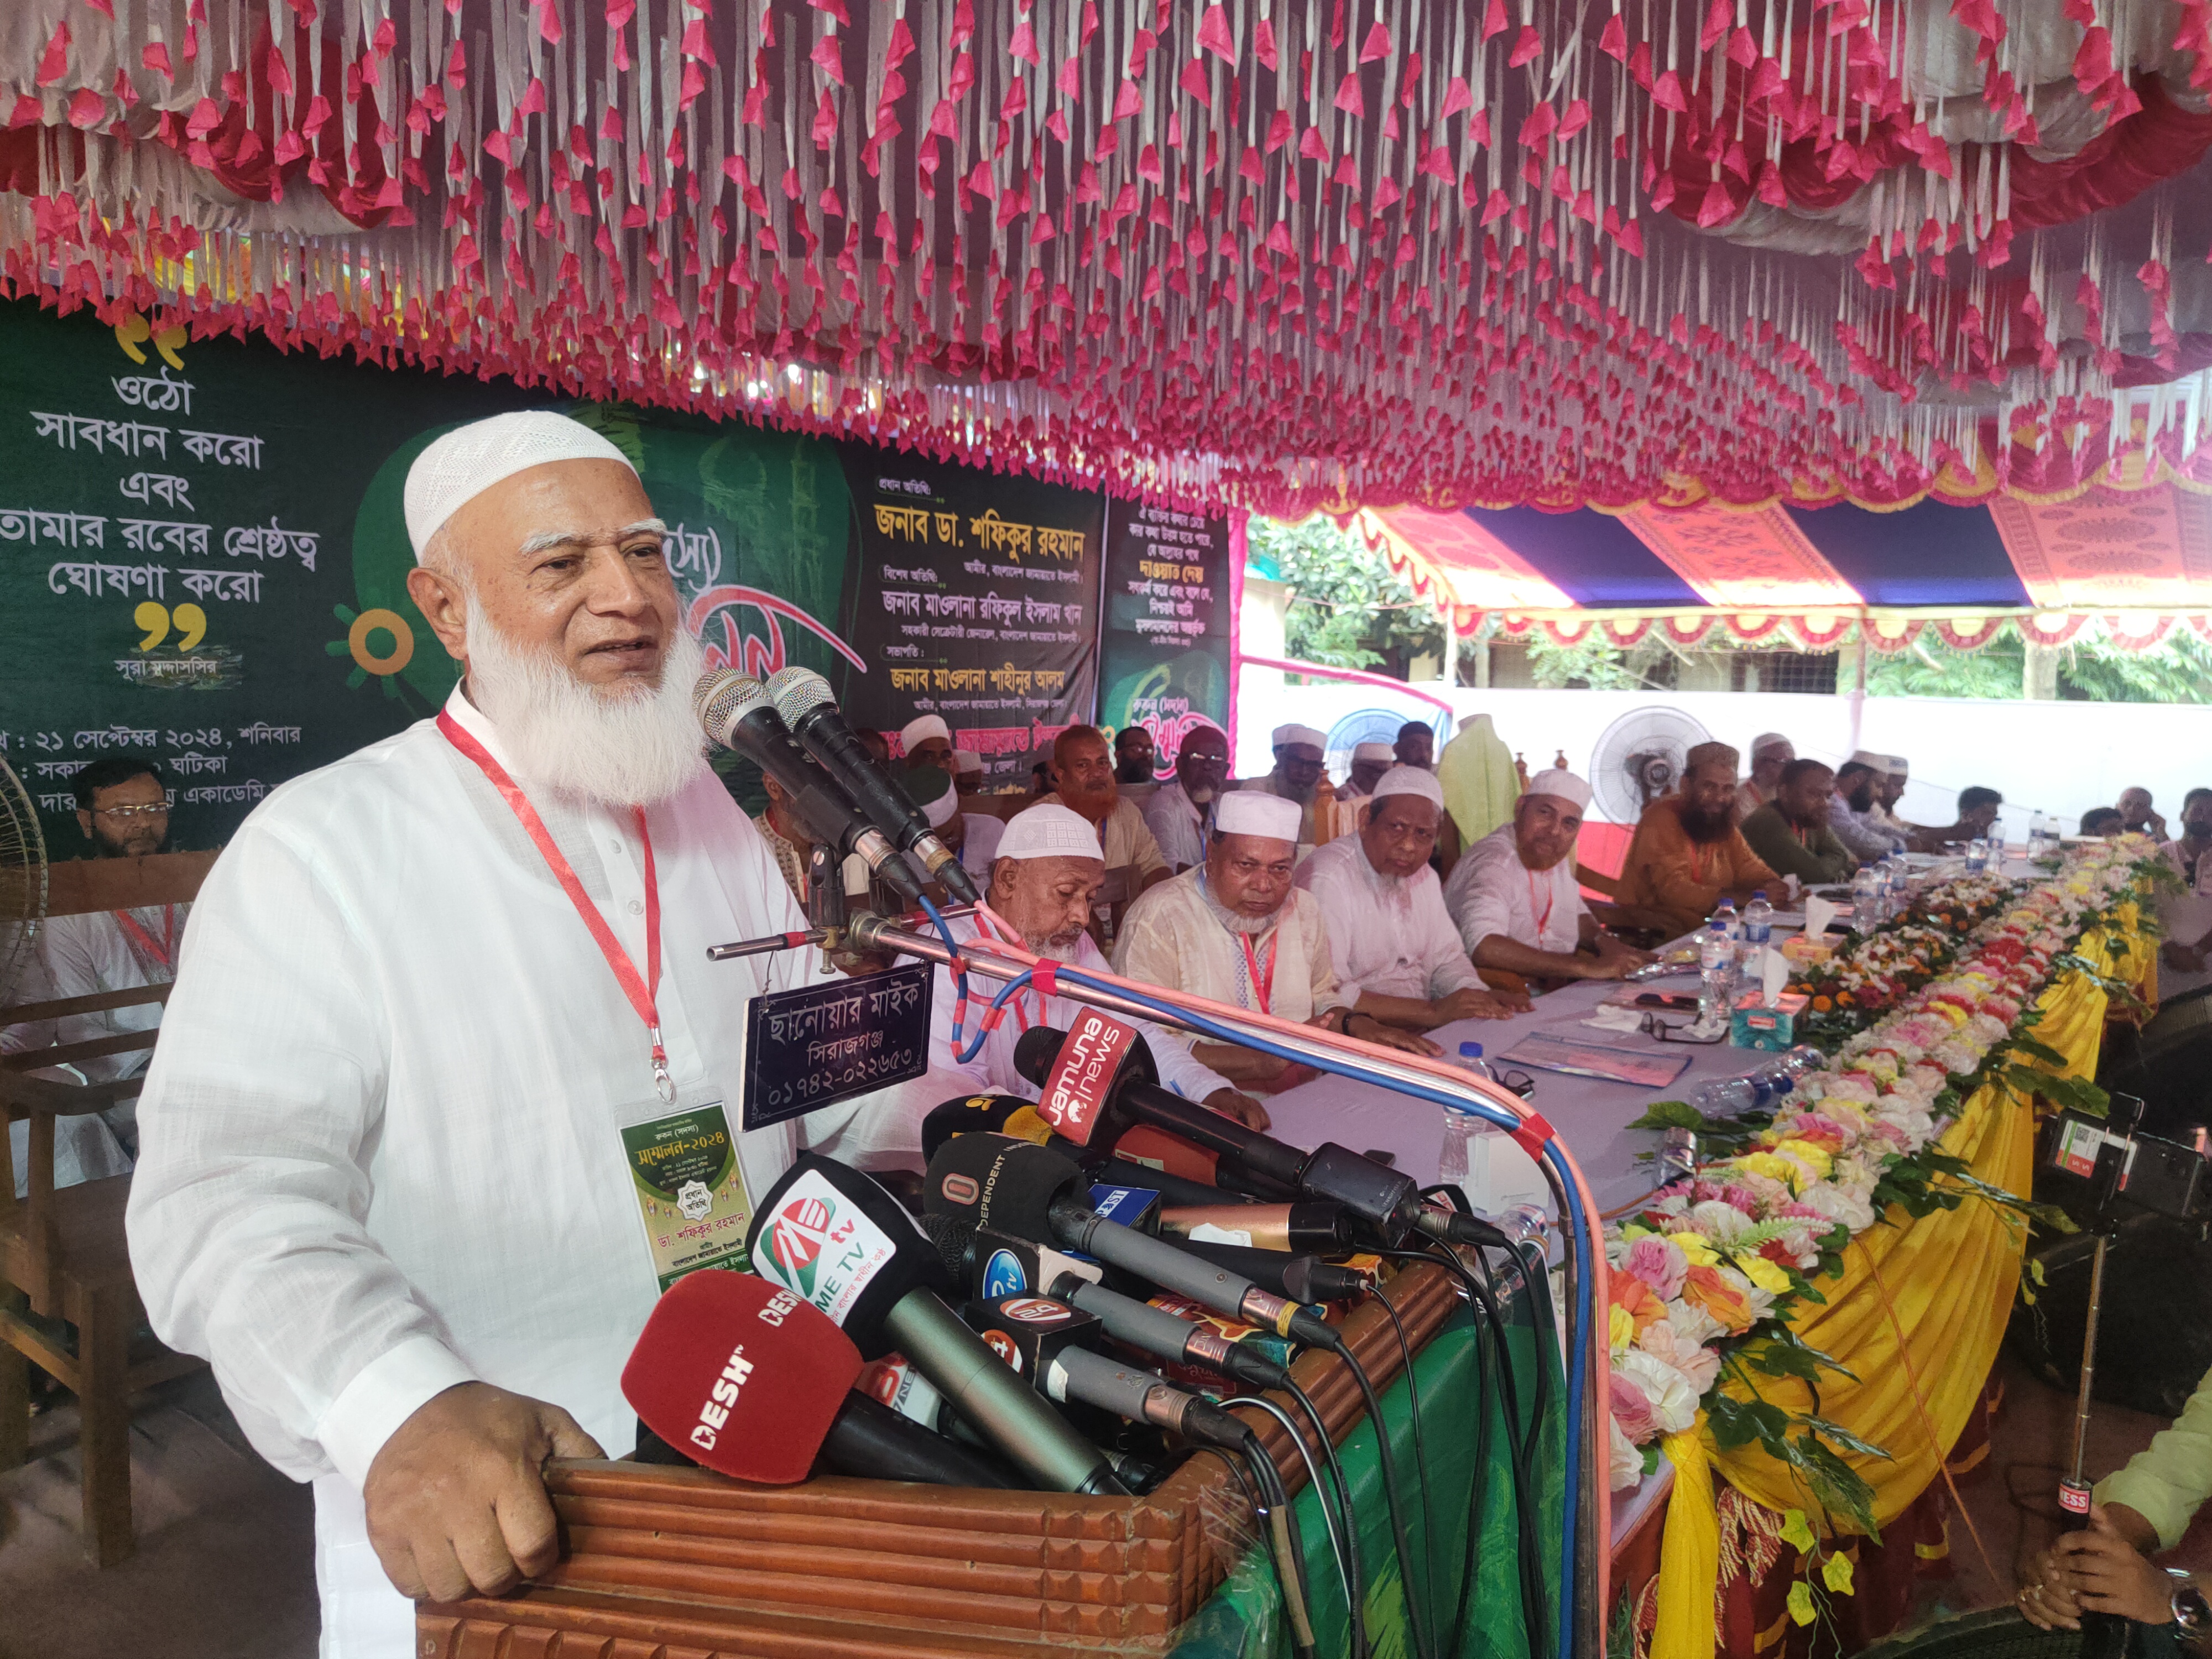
pixel 846 1246
pixel 1014 1186
pixel 744 1378
pixel 736 711
pixel 1097 1080
pixel 809 708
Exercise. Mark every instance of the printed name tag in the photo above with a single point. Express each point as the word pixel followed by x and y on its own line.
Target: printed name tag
pixel 690 1187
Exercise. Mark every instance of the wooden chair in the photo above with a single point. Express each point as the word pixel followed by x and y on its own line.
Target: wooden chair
pixel 1111 905
pixel 64 1263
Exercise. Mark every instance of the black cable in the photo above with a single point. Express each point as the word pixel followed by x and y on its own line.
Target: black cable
pixel 1534 1599
pixel 1415 1626
pixel 1283 1541
pixel 1348 1524
pixel 1420 1451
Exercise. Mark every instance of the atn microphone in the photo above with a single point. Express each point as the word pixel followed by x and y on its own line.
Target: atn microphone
pixel 1014 1186
pixel 737 713
pixel 1098 1078
pixel 809 707
pixel 843 1244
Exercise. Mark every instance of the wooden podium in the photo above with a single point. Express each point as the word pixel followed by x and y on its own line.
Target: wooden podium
pixel 671 1563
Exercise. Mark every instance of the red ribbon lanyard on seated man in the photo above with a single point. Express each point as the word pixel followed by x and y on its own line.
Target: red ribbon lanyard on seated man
pixel 643 992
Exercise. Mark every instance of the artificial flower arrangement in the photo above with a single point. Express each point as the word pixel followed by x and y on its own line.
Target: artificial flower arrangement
pixel 1705 1271
pixel 1869 973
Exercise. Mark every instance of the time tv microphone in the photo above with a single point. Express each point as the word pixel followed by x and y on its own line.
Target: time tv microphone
pixel 737 713
pixel 1015 1187
pixel 810 710
pixel 746 1379
pixel 846 1246
pixel 1097 1079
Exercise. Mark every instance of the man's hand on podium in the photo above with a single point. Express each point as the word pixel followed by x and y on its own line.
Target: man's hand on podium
pixel 456 1499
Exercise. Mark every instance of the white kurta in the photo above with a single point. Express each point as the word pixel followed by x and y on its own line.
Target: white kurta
pixel 2186 915
pixel 1387 935
pixel 379 1151
pixel 1177 825
pixel 1492 891
pixel 91 953
pixel 1170 937
pixel 982 845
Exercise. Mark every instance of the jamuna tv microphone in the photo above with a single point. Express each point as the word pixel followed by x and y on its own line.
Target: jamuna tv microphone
pixel 1097 1079
pixel 843 1244
pixel 809 707
pixel 737 713
pixel 1014 1186
pixel 747 1380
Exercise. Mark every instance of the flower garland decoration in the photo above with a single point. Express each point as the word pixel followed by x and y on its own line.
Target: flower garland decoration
pixel 1706 1270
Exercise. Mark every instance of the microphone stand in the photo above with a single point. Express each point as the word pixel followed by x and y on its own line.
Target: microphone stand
pixel 2104 1635
pixel 868 932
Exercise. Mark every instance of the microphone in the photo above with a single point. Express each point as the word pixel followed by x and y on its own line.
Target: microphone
pixel 1301 1278
pixel 1079 1375
pixel 751 1382
pixel 737 714
pixel 1014 1186
pixel 972 1257
pixel 1098 1078
pixel 1312 1228
pixel 1001 1114
pixel 810 710
pixel 843 1244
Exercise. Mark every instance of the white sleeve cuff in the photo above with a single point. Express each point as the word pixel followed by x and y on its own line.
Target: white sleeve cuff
pixel 383 1395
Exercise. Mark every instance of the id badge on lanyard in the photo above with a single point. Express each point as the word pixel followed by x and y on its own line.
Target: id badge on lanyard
pixel 689 1184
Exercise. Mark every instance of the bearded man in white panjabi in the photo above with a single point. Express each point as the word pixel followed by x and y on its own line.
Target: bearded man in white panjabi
pixel 438 1003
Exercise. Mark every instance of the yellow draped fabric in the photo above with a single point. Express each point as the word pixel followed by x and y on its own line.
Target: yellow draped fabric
pixel 1916 1314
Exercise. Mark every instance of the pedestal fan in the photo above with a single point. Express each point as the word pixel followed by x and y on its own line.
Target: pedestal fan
pixel 1640 758
pixel 23 880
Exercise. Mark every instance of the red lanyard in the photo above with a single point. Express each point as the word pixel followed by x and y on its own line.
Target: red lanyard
pixel 164 949
pixel 1551 897
pixel 1698 855
pixel 642 993
pixel 1264 988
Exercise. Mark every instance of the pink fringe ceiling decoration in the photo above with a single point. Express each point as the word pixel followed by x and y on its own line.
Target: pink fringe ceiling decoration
pixel 1285 254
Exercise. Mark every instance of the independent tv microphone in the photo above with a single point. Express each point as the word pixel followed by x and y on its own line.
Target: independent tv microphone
pixel 1096 1079
pixel 737 713
pixel 844 1245
pixel 809 708
pixel 746 1379
pixel 1014 1187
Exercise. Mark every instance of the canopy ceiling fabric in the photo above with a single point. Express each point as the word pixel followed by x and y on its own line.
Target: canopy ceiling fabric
pixel 2131 558
pixel 1284 254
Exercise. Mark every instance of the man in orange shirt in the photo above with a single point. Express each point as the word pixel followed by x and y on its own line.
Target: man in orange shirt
pixel 1687 851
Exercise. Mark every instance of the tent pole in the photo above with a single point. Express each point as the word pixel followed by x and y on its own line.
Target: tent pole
pixel 1858 686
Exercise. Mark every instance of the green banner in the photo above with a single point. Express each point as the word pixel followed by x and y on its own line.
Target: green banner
pixel 1166 633
pixel 204 559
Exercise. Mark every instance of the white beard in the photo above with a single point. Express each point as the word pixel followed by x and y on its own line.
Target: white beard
pixel 629 748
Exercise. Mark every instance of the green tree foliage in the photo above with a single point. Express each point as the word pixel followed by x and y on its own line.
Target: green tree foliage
pixel 1349 609
pixel 2176 669
pixel 1591 664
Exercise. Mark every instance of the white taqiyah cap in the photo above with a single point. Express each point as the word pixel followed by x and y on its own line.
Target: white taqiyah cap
pixel 1050 832
pixel 1868 759
pixel 1898 767
pixel 1257 812
pixel 1761 744
pixel 1305 734
pixel 467 461
pixel 922 730
pixel 1410 781
pixel 1558 781
pixel 965 761
pixel 1365 752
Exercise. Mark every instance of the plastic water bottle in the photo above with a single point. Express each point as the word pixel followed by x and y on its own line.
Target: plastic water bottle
pixel 1758 934
pixel 1866 897
pixel 1725 1096
pixel 1727 920
pixel 1470 1057
pixel 1977 856
pixel 1796 1063
pixel 1716 961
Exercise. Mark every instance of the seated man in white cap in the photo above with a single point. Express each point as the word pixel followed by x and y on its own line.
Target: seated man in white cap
pixel 1851 807
pixel 1769 752
pixel 926 740
pixel 1299 756
pixel 967 772
pixel 1237 930
pixel 1048 871
pixel 1370 761
pixel 1514 900
pixel 1085 767
pixel 1180 814
pixel 1396 954
pixel 435 1001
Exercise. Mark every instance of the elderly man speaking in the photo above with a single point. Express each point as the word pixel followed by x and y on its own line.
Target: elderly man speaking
pixel 441 1005
pixel 1396 953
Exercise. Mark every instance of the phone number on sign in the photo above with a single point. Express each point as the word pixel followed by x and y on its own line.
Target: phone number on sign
pixel 812 1086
